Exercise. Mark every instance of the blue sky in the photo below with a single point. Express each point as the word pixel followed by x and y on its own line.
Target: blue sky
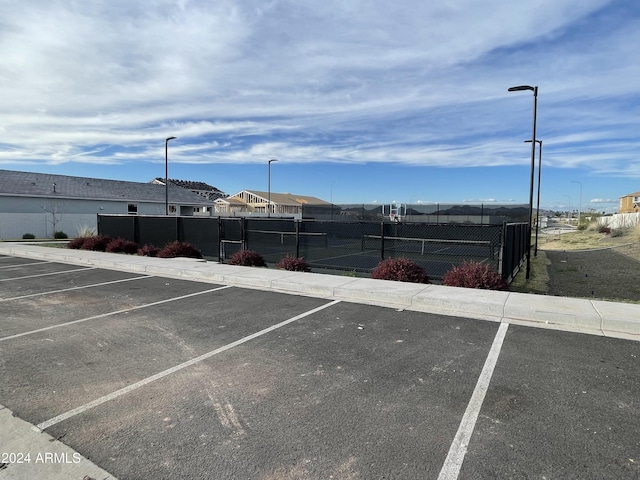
pixel 360 101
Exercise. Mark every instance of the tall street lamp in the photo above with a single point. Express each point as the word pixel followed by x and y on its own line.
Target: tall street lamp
pixel 166 175
pixel 535 250
pixel 269 188
pixel 580 202
pixel 533 159
pixel 331 198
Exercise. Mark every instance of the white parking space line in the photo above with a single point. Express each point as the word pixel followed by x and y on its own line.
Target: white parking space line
pixel 124 310
pixel 23 264
pixel 458 450
pixel 50 292
pixel 47 274
pixel 188 363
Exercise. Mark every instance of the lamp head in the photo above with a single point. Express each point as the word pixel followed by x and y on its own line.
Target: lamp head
pixel 170 138
pixel 521 87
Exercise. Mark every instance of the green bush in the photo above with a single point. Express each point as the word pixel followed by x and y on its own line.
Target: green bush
pixel 179 249
pixel 400 270
pixel 28 236
pixel 60 235
pixel 474 275
pixel 247 258
pixel 293 264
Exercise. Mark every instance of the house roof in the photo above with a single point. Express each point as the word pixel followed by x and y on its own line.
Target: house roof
pixel 28 184
pixel 287 198
pixel 230 200
pixel 190 185
pixel 634 194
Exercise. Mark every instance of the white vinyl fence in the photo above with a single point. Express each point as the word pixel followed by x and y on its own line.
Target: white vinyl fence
pixel 620 220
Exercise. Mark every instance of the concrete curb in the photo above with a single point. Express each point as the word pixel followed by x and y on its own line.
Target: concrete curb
pixel 38 455
pixel 611 319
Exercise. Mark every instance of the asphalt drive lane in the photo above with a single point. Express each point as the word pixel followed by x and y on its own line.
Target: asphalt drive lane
pixel 560 405
pixel 351 391
pixel 50 372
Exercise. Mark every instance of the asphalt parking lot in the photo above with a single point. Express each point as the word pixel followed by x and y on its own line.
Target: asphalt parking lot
pixel 148 376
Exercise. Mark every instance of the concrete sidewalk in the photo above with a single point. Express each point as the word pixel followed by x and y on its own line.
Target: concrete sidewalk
pixel 611 319
pixel 570 314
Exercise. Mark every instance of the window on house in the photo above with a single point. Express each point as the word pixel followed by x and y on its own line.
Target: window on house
pixel 132 209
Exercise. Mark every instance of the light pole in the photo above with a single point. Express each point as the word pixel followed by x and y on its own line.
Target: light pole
pixel 166 174
pixel 331 198
pixel 580 201
pixel 533 159
pixel 535 250
pixel 269 188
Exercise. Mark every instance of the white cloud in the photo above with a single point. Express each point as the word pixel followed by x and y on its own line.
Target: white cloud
pixel 341 81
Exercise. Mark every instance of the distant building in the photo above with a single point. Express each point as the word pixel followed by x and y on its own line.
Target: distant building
pixel 254 202
pixel 630 203
pixel 201 188
pixel 43 204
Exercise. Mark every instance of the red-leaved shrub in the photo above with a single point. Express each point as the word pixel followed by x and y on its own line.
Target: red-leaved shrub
pixel 401 270
pixel 293 264
pixel 179 249
pixel 76 243
pixel 120 245
pixel 97 243
pixel 474 275
pixel 247 258
pixel 148 251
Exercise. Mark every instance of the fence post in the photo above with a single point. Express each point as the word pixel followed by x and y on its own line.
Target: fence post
pixel 243 233
pixel 382 240
pixel 503 237
pixel 219 239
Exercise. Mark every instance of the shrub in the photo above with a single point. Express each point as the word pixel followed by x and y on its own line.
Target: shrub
pixel 604 229
pixel 60 235
pixel 247 258
pixel 618 232
pixel 77 243
pixel 179 249
pixel 148 251
pixel 400 270
pixel 474 275
pixel 293 264
pixel 97 243
pixel 86 231
pixel 120 245
pixel 28 236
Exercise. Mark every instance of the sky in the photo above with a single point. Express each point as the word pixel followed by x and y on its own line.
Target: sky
pixel 359 101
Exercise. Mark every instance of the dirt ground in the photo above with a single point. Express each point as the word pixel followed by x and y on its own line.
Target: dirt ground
pixel 585 265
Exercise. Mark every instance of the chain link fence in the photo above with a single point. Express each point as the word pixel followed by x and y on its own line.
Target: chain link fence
pixel 334 246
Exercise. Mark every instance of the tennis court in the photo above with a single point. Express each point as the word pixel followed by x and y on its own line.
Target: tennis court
pixel 363 254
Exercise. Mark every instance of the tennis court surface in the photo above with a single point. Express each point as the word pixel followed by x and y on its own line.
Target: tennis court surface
pixel 118 373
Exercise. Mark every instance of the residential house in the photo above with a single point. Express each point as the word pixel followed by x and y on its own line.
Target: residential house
pixel 259 203
pixel 201 188
pixel 42 204
pixel 630 203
